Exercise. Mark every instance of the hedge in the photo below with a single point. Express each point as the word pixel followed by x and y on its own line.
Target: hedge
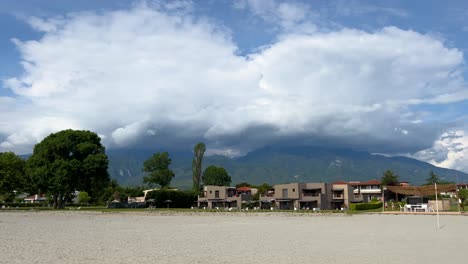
pixel 13 205
pixel 365 206
pixel 179 199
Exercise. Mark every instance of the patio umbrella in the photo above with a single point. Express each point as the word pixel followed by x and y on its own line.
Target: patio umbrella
pixel 167 202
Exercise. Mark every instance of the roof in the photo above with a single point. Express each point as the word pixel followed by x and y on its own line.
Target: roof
pixel 244 189
pixel 340 182
pixel 371 182
pixel 422 190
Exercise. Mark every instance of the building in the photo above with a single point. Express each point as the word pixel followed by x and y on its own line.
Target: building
pixel 293 196
pixel 366 191
pixel 224 197
pixel 35 198
pixel 342 195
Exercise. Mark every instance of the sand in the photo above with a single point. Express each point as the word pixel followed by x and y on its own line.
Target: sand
pixel 89 237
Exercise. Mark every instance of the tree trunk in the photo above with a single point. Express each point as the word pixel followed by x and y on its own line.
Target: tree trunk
pixel 55 201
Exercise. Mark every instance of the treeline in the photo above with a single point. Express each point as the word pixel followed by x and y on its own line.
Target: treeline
pixel 75 160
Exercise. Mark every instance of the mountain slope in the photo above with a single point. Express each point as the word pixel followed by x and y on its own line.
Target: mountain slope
pixel 284 164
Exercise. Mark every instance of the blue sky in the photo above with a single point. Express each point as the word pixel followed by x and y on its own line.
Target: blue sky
pixel 382 76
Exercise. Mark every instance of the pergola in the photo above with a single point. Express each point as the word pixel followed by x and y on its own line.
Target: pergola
pixel 424 190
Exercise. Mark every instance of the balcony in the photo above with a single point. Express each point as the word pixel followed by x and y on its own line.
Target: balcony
pixel 338 196
pixel 367 191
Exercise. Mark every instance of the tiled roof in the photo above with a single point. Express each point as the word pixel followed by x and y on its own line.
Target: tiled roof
pixel 244 189
pixel 340 182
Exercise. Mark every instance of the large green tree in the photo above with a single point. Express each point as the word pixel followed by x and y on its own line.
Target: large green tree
pixel 198 152
pixel 12 178
pixel 389 178
pixel 157 168
pixel 216 176
pixel 66 161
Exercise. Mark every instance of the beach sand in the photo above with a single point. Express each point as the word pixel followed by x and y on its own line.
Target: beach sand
pixel 94 237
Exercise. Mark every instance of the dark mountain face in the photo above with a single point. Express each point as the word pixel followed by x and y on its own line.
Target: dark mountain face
pixel 284 164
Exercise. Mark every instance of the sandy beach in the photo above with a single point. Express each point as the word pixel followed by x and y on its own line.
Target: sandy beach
pixel 93 237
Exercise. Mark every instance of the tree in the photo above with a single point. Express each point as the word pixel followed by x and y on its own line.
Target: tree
pixel 433 178
pixel 198 152
pixel 463 196
pixel 12 177
pixel 389 178
pixel 216 176
pixel 66 161
pixel 158 170
pixel 83 197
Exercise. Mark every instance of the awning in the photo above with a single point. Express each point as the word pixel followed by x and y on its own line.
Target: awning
pixel 338 189
pixel 284 200
pixel 422 190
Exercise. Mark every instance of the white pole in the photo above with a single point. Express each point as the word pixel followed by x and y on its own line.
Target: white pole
pixel 437 206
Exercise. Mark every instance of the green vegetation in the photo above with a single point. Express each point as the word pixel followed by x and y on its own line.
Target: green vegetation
pixel 365 206
pixel 389 178
pixel 198 152
pixel 158 170
pixel 463 196
pixel 83 197
pixel 12 179
pixel 66 161
pixel 216 176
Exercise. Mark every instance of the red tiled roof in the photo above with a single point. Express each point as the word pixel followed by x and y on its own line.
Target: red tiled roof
pixel 340 182
pixel 244 189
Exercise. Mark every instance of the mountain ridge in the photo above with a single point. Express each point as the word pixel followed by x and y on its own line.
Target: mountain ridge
pixel 278 164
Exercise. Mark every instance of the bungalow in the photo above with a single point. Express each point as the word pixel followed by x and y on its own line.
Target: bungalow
pixel 224 197
pixel 35 198
pixel 298 196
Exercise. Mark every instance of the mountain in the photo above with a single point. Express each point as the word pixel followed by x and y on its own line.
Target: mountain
pixel 284 164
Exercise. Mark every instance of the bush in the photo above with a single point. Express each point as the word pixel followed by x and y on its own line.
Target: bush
pixel 365 206
pixel 180 199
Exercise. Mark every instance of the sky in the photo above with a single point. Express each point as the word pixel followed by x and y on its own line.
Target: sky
pixel 386 77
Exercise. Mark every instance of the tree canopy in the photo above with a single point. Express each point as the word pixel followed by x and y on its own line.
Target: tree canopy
pixel 389 178
pixel 157 168
pixel 66 161
pixel 12 177
pixel 216 176
pixel 433 178
pixel 198 152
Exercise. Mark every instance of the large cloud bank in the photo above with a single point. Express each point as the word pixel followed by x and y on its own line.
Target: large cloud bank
pixel 154 77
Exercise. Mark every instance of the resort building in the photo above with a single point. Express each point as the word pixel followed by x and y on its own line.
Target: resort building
pixel 366 191
pixel 342 195
pixel 293 196
pixel 224 197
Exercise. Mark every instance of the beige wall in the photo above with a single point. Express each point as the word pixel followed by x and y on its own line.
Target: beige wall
pixel 293 191
pixel 444 205
pixel 210 191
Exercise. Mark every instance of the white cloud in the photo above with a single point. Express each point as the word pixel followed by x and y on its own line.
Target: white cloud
pixel 449 151
pixel 146 76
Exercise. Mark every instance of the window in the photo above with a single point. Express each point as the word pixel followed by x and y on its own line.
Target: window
pixel 216 194
pixel 294 190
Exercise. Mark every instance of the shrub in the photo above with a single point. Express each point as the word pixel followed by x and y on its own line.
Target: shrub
pixel 365 206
